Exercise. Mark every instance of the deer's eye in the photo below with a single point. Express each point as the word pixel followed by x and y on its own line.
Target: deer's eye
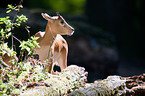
pixel 62 22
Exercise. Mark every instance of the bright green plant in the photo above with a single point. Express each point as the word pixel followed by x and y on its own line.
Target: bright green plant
pixel 10 76
pixel 6 32
pixel 30 45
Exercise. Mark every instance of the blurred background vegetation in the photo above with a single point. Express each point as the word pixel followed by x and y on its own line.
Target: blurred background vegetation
pixel 69 6
pixel 117 24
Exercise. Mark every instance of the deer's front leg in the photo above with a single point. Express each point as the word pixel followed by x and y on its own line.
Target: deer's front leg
pixel 62 60
pixel 50 61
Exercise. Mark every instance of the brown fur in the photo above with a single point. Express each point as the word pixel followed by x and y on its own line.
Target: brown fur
pixel 52 41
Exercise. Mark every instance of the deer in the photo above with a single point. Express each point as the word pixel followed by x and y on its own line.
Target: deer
pixel 52 44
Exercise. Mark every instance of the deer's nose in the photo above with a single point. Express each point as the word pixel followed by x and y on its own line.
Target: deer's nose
pixel 71 33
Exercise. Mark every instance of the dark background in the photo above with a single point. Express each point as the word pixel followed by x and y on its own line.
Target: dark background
pixel 109 34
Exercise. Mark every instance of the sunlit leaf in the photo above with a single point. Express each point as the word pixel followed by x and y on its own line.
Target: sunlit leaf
pixel 8 35
pixel 8 11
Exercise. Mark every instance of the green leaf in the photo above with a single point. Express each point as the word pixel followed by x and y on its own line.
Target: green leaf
pixel 18 24
pixel 8 35
pixel 34 38
pixel 28 49
pixel 13 53
pixel 5 45
pixel 1 22
pixel 2 32
pixel 8 11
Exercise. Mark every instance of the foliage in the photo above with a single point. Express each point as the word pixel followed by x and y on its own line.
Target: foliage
pixel 74 6
pixel 69 6
pixel 5 49
pixel 22 77
pixel 31 75
pixel 61 84
pixel 10 77
pixel 9 24
pixel 30 45
pixel 15 8
pixel 6 32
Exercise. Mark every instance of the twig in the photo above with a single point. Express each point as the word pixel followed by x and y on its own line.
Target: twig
pixel 13 21
pixel 4 63
pixel 28 31
pixel 17 39
pixel 12 41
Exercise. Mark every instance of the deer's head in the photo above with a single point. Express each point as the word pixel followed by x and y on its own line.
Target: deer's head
pixel 58 24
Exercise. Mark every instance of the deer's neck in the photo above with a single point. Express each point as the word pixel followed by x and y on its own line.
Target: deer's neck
pixel 48 37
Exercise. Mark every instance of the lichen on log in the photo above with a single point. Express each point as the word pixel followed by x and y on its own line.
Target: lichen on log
pixel 113 85
pixel 70 78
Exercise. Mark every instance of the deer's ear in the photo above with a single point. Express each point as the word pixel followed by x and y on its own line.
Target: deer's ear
pixel 59 16
pixel 46 16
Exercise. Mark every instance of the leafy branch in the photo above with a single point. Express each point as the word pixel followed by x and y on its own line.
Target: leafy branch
pixel 30 45
pixel 9 24
pixel 9 74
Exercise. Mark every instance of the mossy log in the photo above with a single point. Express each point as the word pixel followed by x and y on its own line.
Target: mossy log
pixel 72 82
pixel 113 85
pixel 32 81
pixel 71 78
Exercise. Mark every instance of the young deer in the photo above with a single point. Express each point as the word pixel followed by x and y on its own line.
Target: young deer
pixel 52 43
